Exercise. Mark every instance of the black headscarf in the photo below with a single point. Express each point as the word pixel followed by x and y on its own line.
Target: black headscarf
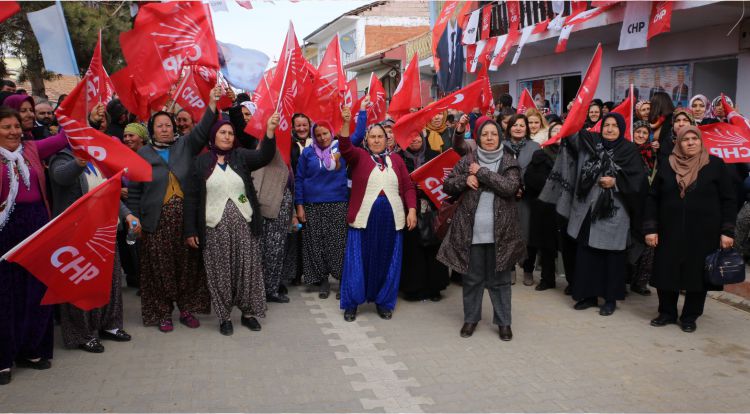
pixel 617 158
pixel 214 150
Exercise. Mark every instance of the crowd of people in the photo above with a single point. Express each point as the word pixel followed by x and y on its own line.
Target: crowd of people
pixel 227 222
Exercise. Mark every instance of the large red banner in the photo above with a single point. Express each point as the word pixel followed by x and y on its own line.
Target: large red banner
pixel 430 176
pixel 727 141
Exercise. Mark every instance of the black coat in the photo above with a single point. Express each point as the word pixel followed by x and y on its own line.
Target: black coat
pixel 689 228
pixel 243 162
pixel 543 224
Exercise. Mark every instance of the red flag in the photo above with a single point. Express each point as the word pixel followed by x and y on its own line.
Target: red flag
pixel 476 94
pixel 376 110
pixel 577 6
pixel 442 21
pixel 74 253
pixel 502 47
pixel 562 40
pixel 430 176
pixel 471 55
pixel 577 115
pixel 626 110
pixel 330 86
pixel 99 87
pixel 525 102
pixel 408 94
pixel 541 27
pixel 108 153
pixel 129 95
pixel 486 56
pixel 579 15
pixel 661 18
pixel 486 22
pixel 514 15
pixel 727 141
pixel 734 117
pixel 8 9
pixel 166 37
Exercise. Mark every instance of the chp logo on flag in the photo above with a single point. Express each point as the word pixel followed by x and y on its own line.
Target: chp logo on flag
pixel 726 141
pixel 431 176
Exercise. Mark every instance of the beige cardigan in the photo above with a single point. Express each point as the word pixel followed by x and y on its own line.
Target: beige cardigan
pixel 270 182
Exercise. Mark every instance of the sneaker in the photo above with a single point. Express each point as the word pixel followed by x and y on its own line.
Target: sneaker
pixel 166 325
pixel 187 319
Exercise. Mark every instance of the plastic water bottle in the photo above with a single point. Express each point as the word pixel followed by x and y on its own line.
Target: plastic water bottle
pixel 130 238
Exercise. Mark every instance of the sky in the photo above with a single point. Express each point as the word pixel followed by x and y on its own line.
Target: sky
pixel 264 27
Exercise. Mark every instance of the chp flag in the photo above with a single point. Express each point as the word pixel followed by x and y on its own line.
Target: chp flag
pixel 526 102
pixel 727 141
pixel 634 31
pixel 430 176
pixel 74 253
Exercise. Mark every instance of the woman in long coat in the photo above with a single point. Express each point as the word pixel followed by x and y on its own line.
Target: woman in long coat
pixel 690 212
pixel 223 219
pixel 484 240
pixel 170 271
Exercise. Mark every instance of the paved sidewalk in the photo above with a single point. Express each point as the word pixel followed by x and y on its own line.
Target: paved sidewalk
pixel 307 359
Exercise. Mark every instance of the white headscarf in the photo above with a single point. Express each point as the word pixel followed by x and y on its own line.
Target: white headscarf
pixel 16 165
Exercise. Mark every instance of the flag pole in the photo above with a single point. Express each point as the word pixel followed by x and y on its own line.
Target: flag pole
pixel 283 81
pixel 268 88
pixel 632 115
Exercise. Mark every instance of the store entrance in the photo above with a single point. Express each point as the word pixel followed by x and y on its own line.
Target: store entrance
pixel 570 85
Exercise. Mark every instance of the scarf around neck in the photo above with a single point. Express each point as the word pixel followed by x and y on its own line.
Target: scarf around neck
pixel 434 135
pixel 16 166
pixel 517 146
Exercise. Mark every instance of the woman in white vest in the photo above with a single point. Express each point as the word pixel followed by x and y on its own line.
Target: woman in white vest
pixel 223 218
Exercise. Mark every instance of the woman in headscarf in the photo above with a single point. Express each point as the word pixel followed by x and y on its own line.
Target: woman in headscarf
pixel 607 195
pixel 25 325
pixel 519 144
pixel 699 108
pixel 422 275
pixel 690 211
pixel 24 105
pixel 170 272
pixel 543 224
pixel 642 109
pixel 681 117
pixel 438 134
pixel 71 178
pixel 321 195
pixel 382 203
pixel 537 126
pixel 717 110
pixel 594 114
pixel 223 219
pixel 135 136
pixel 484 240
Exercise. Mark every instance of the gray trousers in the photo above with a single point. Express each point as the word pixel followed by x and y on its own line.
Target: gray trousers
pixel 482 275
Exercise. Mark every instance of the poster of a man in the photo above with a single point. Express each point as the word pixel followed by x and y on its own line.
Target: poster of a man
pixel 450 52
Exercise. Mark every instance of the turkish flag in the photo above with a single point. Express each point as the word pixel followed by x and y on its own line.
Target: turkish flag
pixel 626 110
pixel 166 37
pixel 476 94
pixel 727 141
pixel 8 9
pixel 330 87
pixel 514 15
pixel 502 47
pixel 486 22
pixel 525 102
pixel 74 253
pixel 577 115
pixel 661 18
pixel 108 153
pixel 408 94
pixel 129 95
pixel 430 176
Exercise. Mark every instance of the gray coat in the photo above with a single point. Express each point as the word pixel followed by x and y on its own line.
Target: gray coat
pixel 270 183
pixel 145 199
pixel 524 158
pixel 69 183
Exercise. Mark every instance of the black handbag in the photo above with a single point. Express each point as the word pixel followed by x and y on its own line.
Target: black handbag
pixel 724 267
pixel 425 219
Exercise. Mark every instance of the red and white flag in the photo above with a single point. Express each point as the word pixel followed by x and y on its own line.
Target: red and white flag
pixel 514 15
pixel 330 87
pixel 487 54
pixel 734 117
pixel 440 24
pixel 578 16
pixel 486 22
pixel 108 153
pixel 474 55
pixel 74 253
pixel 408 93
pixel 476 94
pixel 661 18
pixel 128 94
pixel 562 41
pixel 727 141
pixel 376 110
pixel 431 176
pixel 502 47
pixel 194 91
pixel 99 88
pixel 472 26
pixel 525 34
pixel 578 112
pixel 626 110
pixel 526 102
pixel 541 27
pixel 634 31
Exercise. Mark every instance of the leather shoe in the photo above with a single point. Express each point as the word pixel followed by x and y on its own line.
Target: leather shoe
pixel 505 333
pixel 568 290
pixel 226 328
pixel 325 289
pixel 283 290
pixel 384 313
pixel 688 327
pixel 641 290
pixel 93 346
pixel 350 315
pixel 585 304
pixel 278 298
pixel 663 320
pixel 120 335
pixel 5 377
pixel 468 329
pixel 251 323
pixel 543 285
pixel 607 309
pixel 38 365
